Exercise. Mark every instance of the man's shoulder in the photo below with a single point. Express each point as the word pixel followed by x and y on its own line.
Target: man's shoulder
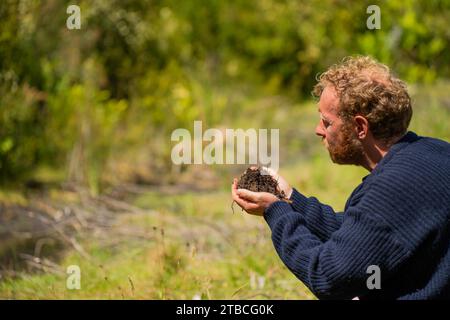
pixel 420 167
pixel 431 145
pixel 421 153
pixel 417 165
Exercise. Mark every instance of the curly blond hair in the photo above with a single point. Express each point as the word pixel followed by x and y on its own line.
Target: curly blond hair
pixel 366 87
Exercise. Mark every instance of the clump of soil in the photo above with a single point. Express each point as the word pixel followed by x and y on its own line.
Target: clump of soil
pixel 255 181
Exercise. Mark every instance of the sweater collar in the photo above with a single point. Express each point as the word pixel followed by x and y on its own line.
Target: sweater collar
pixel 408 138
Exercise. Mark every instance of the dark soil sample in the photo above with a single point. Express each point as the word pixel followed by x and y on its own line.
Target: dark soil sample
pixel 253 180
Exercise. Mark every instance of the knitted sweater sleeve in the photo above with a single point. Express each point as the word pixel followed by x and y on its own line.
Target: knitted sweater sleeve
pixel 319 218
pixel 335 268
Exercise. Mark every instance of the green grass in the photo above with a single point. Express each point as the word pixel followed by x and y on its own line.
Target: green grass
pixel 205 251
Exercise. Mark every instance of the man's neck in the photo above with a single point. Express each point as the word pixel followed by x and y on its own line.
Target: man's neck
pixel 372 158
pixel 374 151
pixel 373 155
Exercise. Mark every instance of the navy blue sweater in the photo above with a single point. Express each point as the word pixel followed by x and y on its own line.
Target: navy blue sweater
pixel 398 219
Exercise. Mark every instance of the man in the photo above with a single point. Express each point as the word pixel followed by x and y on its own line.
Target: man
pixel 397 220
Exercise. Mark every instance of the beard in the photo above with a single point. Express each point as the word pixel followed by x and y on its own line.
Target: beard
pixel 345 147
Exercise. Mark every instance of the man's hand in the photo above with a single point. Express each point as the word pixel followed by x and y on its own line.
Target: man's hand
pixel 252 202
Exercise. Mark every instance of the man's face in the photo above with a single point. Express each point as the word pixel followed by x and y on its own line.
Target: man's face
pixel 338 137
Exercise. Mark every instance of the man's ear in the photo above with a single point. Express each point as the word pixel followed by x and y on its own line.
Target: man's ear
pixel 362 127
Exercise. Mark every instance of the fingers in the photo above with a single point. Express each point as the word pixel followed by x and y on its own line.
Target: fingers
pixel 252 202
pixel 247 206
pixel 243 194
pixel 239 201
pixel 234 185
pixel 248 195
pixel 242 202
pixel 234 189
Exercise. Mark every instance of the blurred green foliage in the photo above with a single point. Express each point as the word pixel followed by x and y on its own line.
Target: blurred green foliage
pixel 80 100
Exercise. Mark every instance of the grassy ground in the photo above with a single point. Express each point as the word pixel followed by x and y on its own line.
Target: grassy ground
pixel 187 244
pixel 196 246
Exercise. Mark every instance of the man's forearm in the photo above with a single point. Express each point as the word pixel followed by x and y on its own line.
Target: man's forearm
pixel 319 218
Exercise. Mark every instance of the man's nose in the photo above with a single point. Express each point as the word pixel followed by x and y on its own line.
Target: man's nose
pixel 319 131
